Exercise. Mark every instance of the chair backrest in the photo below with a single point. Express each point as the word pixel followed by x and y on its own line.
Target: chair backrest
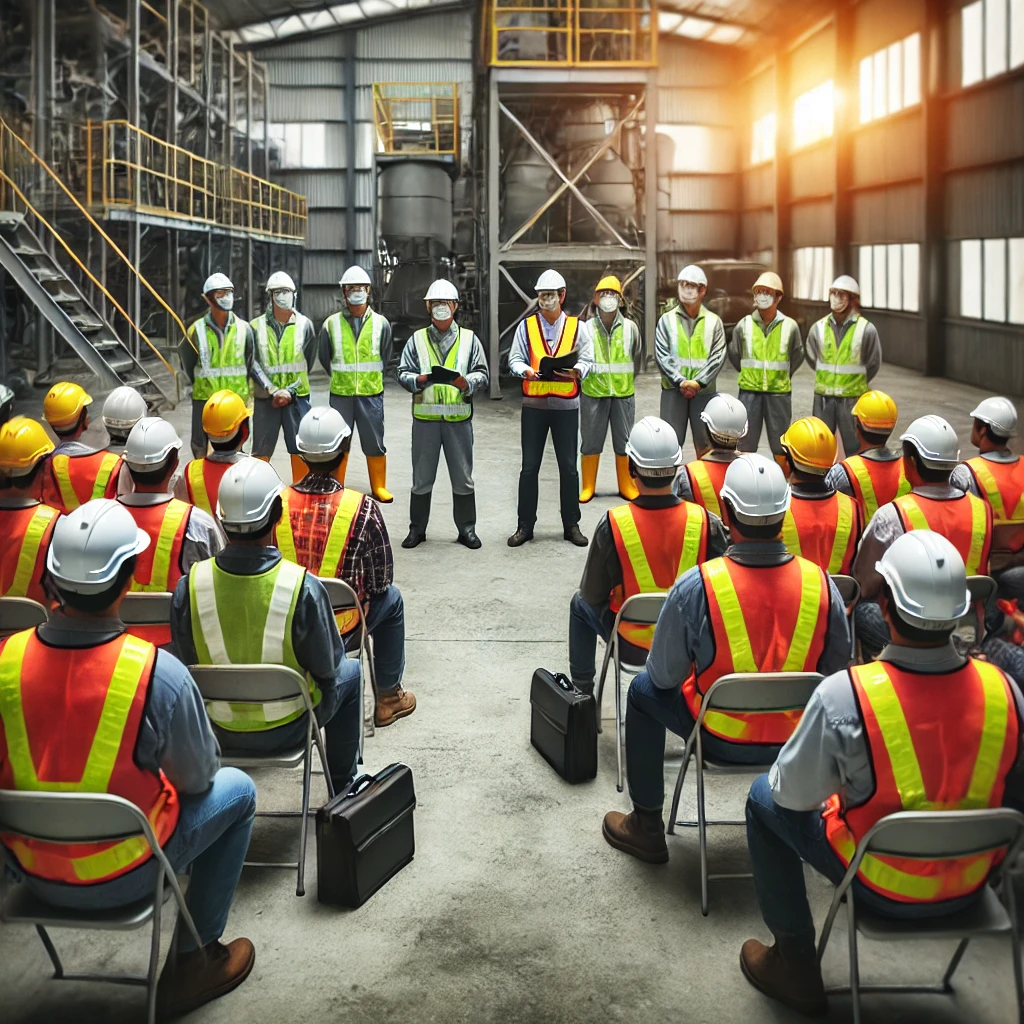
pixel 18 613
pixel 944 835
pixel 72 817
pixel 753 692
pixel 146 609
pixel 249 684
pixel 341 594
pixel 849 589
pixel 983 591
pixel 641 609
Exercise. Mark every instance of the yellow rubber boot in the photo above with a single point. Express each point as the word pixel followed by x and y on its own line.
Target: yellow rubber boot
pixel 627 489
pixel 339 473
pixel 299 469
pixel 588 469
pixel 377 465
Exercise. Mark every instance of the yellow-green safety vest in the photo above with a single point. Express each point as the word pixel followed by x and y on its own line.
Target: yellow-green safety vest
pixel 841 370
pixel 442 401
pixel 356 365
pixel 221 365
pixel 611 374
pixel 764 361
pixel 283 359
pixel 692 350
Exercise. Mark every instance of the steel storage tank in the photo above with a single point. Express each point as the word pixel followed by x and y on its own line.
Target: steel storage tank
pixel 415 201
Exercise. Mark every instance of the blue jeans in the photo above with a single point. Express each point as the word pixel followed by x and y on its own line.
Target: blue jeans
pixel 780 841
pixel 586 624
pixel 649 712
pixel 386 623
pixel 211 837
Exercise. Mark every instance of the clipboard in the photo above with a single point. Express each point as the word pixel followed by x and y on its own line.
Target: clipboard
pixel 549 364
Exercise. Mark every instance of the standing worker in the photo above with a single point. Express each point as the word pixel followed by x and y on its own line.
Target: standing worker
pixel 845 353
pixel 226 424
pixel 608 344
pixel 550 403
pixel 766 348
pixel 355 347
pixel 442 413
pixel 689 347
pixel 701 480
pixel 286 343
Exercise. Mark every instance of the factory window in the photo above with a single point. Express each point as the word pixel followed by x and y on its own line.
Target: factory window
pixel 992 39
pixel 1016 282
pixel 992 279
pixel 890 79
pixel 889 276
pixel 300 144
pixel 812 273
pixel 814 115
pixel 762 148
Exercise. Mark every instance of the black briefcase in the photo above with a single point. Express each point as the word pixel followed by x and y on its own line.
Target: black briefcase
pixel 563 725
pixel 364 836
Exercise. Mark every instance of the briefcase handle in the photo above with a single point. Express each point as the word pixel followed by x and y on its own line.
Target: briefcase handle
pixel 360 783
pixel 563 681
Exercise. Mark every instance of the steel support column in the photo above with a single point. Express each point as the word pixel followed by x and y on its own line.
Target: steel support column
pixel 351 141
pixel 493 234
pixel 783 256
pixel 650 216
pixel 846 85
pixel 934 278
pixel 135 227
pixel 253 305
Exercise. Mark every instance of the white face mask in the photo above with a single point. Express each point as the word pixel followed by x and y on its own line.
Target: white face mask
pixel 226 302
pixel 440 312
pixel 548 301
pixel 356 297
pixel 764 300
pixel 608 303
pixel 284 299
pixel 837 301
pixel 688 294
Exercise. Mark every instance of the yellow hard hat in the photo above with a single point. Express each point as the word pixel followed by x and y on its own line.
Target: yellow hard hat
pixel 23 442
pixel 811 445
pixel 876 412
pixel 769 279
pixel 64 403
pixel 223 414
pixel 609 283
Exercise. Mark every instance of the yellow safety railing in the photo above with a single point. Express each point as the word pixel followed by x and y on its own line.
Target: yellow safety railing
pixel 573 33
pixel 254 204
pixel 417 117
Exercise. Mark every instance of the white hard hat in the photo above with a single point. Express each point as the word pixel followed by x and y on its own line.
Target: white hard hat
pixel 654 447
pixel 278 280
pixel 549 281
pixel 7 395
pixel 322 432
pixel 1000 414
pixel 355 275
pixel 935 442
pixel 123 408
pixel 215 282
pixel 845 283
pixel 726 418
pixel 693 275
pixel 442 291
pixel 756 490
pixel 927 578
pixel 247 492
pixel 150 443
pixel 90 545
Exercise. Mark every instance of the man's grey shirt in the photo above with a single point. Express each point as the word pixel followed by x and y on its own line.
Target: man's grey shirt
pixel 519 361
pixel 409 364
pixel 666 347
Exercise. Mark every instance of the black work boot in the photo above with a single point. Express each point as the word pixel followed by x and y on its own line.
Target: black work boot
pixel 521 536
pixel 639 833
pixel 419 514
pixel 574 535
pixel 464 511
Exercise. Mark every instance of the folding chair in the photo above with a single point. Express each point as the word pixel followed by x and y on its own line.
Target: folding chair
pixel 267 685
pixel 983 592
pixel 146 609
pixel 933 835
pixel 18 613
pixel 849 591
pixel 89 818
pixel 638 610
pixel 750 693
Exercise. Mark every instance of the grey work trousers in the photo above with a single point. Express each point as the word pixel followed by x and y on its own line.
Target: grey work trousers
pixel 268 421
pixel 679 412
pixel 364 413
pixel 429 437
pixel 596 413
pixel 773 411
pixel 198 434
pixel 836 411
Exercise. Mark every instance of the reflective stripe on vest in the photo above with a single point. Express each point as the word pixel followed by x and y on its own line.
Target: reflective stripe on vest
pixel 983 473
pixel 538 350
pixel 28 553
pixel 691 354
pixel 869 497
pixel 197 486
pixel 442 401
pixel 840 370
pixel 221 365
pixel 174 524
pixel 62 474
pixel 840 538
pixel 282 359
pixel 914 518
pixel 701 484
pixel 356 365
pixel 611 374
pixel 764 361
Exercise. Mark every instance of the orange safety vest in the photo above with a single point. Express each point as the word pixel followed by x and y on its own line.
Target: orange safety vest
pixel 71 719
pixel 966 522
pixel 202 482
pixel 655 547
pixel 1002 486
pixel 936 743
pixel 24 540
pixel 875 483
pixel 763 619
pixel 825 530
pixel 538 350
pixel 706 477
pixel 72 480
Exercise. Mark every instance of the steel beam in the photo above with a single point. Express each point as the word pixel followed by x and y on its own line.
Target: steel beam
pixel 134 228
pixel 493 223
pixel 934 273
pixel 846 85
pixel 650 216
pixel 351 141
pixel 783 257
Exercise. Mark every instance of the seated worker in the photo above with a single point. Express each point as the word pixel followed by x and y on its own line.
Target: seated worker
pixel 75 472
pixel 921 728
pixel 220 615
pixel 123 408
pixel 725 419
pixel 757 609
pixel 874 475
pixel 226 423
pixel 180 534
pixel 822 524
pixel 87 707
pixel 335 531
pixel 640 547
pixel 931 452
pixel 26 524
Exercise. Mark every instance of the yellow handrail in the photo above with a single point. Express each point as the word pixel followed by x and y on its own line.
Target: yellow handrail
pixel 426 114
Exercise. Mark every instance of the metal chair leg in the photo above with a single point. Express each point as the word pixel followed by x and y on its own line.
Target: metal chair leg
pixel 947 978
pixel 702 830
pixel 1018 971
pixel 618 723
pixel 600 685
pixel 300 888
pixel 322 753
pixel 851 925
pixel 154 951
pixel 58 967
pixel 680 779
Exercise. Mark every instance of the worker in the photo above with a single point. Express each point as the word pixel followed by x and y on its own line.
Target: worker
pixel 6 404
pixel 757 609
pixel 930 454
pixel 822 524
pixel 88 708
pixel 550 403
pixel 639 547
pixel 180 534
pixel 226 424
pixel 76 472
pixel 355 347
pixel 26 524
pixel 219 353
pixel 689 347
pixel 122 409
pixel 608 344
pixel 442 413
pixel 725 419
pixel 335 531
pixel 287 347
pixel 921 729
pixel 766 349
pixel 874 475
pixel 221 615
pixel 845 353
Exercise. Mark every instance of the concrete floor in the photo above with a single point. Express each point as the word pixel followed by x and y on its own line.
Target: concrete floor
pixel 514 909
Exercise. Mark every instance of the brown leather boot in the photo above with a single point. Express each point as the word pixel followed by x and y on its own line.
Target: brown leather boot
pixel 197 977
pixel 639 833
pixel 795 982
pixel 392 706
